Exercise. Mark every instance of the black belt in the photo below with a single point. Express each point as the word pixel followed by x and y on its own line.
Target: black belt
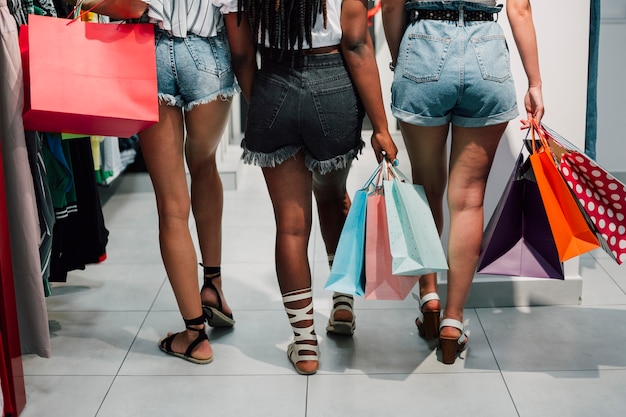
pixel 468 15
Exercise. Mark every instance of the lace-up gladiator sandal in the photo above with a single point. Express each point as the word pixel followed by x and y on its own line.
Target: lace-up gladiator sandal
pixel 304 347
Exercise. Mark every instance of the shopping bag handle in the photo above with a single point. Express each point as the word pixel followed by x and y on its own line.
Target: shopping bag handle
pixel 380 174
pixel 535 128
pixel 78 13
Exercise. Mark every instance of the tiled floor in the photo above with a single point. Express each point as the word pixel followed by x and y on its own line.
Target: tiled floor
pixel 106 320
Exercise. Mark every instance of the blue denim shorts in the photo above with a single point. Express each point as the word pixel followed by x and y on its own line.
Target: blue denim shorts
pixel 453 72
pixel 193 70
pixel 303 102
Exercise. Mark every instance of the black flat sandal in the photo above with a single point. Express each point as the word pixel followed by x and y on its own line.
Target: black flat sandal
pixel 165 344
pixel 215 316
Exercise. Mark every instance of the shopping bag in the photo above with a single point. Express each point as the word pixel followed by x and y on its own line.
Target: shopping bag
pixel 571 231
pixel 601 195
pixel 517 240
pixel 88 78
pixel 347 274
pixel 414 241
pixel 380 282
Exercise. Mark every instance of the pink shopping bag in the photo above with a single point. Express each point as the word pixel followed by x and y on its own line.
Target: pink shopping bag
pixel 380 283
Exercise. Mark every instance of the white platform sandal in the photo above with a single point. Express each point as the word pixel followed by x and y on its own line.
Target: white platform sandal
pixel 301 349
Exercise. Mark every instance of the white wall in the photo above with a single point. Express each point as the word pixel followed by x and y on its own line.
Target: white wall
pixel 611 139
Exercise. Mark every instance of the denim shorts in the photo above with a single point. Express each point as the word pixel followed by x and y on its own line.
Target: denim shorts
pixel 453 72
pixel 193 70
pixel 303 102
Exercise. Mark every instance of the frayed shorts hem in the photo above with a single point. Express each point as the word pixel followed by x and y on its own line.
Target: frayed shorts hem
pixel 176 101
pixel 271 160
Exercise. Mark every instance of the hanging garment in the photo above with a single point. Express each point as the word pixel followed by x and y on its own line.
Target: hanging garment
pixel 80 238
pixel 44 203
pixel 22 205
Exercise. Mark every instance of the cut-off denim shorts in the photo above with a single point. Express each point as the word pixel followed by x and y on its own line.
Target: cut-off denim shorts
pixel 303 102
pixel 453 72
pixel 193 70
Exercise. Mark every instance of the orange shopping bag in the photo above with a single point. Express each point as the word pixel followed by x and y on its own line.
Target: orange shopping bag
pixel 380 283
pixel 572 234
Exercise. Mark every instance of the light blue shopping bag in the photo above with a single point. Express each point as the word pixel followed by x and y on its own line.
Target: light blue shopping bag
pixel 413 238
pixel 347 275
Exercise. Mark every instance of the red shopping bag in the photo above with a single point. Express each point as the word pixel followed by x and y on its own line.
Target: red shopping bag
pixel 88 78
pixel 380 283
pixel 601 195
pixel 572 233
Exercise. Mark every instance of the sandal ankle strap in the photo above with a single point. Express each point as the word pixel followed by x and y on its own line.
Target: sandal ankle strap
pixel 457 325
pixel 426 298
pixel 194 322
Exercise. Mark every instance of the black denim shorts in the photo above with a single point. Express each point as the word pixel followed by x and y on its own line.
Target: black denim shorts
pixel 303 102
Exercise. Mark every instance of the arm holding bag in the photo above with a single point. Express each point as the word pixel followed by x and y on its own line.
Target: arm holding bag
pixel 116 9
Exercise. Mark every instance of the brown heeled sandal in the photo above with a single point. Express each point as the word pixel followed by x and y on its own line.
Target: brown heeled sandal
pixel 451 347
pixel 165 344
pixel 427 321
pixel 215 316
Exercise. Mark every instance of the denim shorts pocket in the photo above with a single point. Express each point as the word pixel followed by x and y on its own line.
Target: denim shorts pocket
pixel 337 110
pixel 492 53
pixel 211 55
pixel 425 56
pixel 266 101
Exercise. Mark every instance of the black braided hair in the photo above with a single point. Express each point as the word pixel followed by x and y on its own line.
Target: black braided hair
pixel 285 24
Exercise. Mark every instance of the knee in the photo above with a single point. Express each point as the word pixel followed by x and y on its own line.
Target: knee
pixel 465 201
pixel 206 168
pixel 293 228
pixel 171 209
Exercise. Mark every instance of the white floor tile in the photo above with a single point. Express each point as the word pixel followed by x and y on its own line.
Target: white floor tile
pixel 556 338
pixel 216 396
pixel 572 394
pixel 86 343
pixel 63 396
pixel 479 394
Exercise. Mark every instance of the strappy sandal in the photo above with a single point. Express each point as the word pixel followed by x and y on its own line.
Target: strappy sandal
pixel 427 321
pixel 215 316
pixel 341 302
pixel 165 344
pixel 300 350
pixel 451 347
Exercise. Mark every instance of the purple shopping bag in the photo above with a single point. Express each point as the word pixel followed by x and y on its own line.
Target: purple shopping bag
pixel 517 240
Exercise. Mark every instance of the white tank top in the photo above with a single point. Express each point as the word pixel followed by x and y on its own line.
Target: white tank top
pixel 328 36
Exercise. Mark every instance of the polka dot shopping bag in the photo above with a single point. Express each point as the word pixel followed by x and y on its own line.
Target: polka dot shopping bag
pixel 601 195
